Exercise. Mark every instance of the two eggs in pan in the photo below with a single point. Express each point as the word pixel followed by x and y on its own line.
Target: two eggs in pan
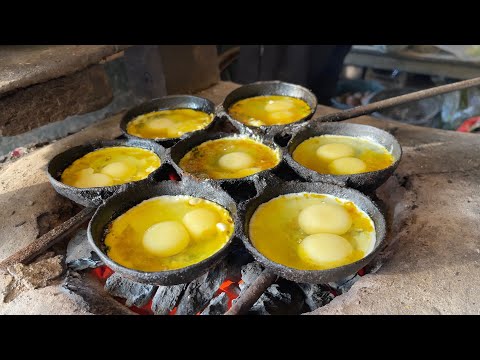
pixel 304 231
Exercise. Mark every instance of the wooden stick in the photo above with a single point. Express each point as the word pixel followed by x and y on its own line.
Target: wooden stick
pixel 52 237
pixel 252 293
pixel 398 100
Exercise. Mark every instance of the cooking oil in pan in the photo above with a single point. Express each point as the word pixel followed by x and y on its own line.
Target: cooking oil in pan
pixel 309 231
pixel 168 232
pixel 269 110
pixel 342 155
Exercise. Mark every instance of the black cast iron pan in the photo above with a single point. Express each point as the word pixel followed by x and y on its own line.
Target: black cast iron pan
pixel 365 182
pixel 267 88
pixel 169 103
pixel 120 203
pixel 273 269
pixel 240 188
pixel 96 195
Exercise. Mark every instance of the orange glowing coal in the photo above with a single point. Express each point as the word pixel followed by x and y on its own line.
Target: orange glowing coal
pixel 229 287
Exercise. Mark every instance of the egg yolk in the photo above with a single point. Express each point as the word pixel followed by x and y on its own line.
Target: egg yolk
pixel 329 152
pixel 324 248
pixel 236 161
pixel 119 169
pixel 330 218
pixel 279 105
pixel 229 158
pixel 201 222
pixel 347 165
pixel 166 238
pixel 93 180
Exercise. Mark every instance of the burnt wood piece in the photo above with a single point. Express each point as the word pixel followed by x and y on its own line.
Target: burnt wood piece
pixel 281 298
pixel 92 293
pixel 44 242
pixel 80 254
pixel 166 298
pixel 217 306
pixel 133 292
pixel 201 290
pixel 252 294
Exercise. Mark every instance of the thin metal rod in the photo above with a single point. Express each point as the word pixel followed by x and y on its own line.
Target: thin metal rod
pixel 252 293
pixel 45 241
pixel 398 100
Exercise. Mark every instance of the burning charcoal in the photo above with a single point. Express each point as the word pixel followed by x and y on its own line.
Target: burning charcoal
pixel 135 293
pixel 284 298
pixel 201 290
pixel 250 272
pixel 218 305
pixel 345 284
pixel 316 295
pixel 166 298
pixel 80 255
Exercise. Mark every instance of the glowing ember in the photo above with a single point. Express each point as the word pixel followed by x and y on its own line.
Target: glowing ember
pixel 230 288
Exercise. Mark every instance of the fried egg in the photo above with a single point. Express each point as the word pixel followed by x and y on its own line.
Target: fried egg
pixel 269 110
pixel 168 232
pixel 168 123
pixel 110 166
pixel 230 157
pixel 342 155
pixel 309 231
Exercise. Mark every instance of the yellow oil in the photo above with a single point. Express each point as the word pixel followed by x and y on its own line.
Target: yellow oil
pixel 203 161
pixel 139 163
pixel 124 239
pixel 168 123
pixel 275 232
pixel 269 110
pixel 375 156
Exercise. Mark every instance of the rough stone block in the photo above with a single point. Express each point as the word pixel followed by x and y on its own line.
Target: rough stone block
pixel 54 100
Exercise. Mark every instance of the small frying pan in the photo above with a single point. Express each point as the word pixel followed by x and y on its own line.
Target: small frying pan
pixel 274 269
pixel 365 182
pixel 267 88
pixel 96 195
pixel 238 188
pixel 169 103
pixel 120 203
